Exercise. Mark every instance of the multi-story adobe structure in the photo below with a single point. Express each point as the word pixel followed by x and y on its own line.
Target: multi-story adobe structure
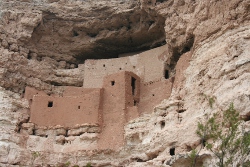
pixel 114 92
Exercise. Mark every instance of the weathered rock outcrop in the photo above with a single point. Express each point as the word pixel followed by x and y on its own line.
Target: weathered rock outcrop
pixel 76 30
pixel 44 42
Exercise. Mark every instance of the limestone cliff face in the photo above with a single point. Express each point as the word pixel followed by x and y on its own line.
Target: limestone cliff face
pixel 44 42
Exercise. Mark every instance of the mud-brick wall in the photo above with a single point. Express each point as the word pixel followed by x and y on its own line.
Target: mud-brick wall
pixel 132 94
pixel 30 92
pixel 148 65
pixel 152 94
pixel 77 91
pixel 115 102
pixel 66 111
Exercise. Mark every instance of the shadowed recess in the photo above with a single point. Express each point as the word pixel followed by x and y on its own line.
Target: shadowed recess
pixel 74 41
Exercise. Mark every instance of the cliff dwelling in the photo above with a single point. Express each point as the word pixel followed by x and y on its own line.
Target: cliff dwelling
pixel 114 92
pixel 123 83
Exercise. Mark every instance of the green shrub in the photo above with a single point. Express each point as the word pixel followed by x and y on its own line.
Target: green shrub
pixel 88 164
pixel 233 143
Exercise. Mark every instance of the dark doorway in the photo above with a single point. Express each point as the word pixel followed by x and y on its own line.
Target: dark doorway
pixel 172 151
pixel 162 124
pixel 133 80
pixel 166 75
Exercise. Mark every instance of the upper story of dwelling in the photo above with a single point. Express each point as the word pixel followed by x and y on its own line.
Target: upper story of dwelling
pixel 149 66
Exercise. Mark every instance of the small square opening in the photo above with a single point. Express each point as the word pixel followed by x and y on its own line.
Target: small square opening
pixel 172 151
pixel 79 107
pixel 50 104
pixel 112 83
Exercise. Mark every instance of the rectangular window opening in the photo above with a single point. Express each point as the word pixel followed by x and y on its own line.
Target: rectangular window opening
pixel 166 75
pixel 50 104
pixel 133 81
pixel 79 107
pixel 135 103
pixel 112 83
pixel 172 151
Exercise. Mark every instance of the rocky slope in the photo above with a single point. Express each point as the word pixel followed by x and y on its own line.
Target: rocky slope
pixel 44 42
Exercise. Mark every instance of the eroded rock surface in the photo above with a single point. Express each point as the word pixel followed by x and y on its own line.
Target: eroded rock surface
pixel 76 30
pixel 44 42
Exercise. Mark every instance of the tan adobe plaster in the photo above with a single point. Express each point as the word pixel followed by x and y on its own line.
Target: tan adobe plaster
pixel 67 110
pixel 152 93
pixel 117 98
pixel 30 92
pixel 115 91
pixel 148 65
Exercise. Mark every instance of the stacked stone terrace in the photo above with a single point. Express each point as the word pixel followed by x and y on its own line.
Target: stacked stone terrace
pixel 114 92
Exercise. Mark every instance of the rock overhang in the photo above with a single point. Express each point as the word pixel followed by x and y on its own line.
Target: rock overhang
pixel 94 30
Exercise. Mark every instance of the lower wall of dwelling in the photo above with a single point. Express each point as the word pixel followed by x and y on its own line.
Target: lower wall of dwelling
pixel 152 93
pixel 110 108
pixel 132 113
pixel 30 92
pixel 66 111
